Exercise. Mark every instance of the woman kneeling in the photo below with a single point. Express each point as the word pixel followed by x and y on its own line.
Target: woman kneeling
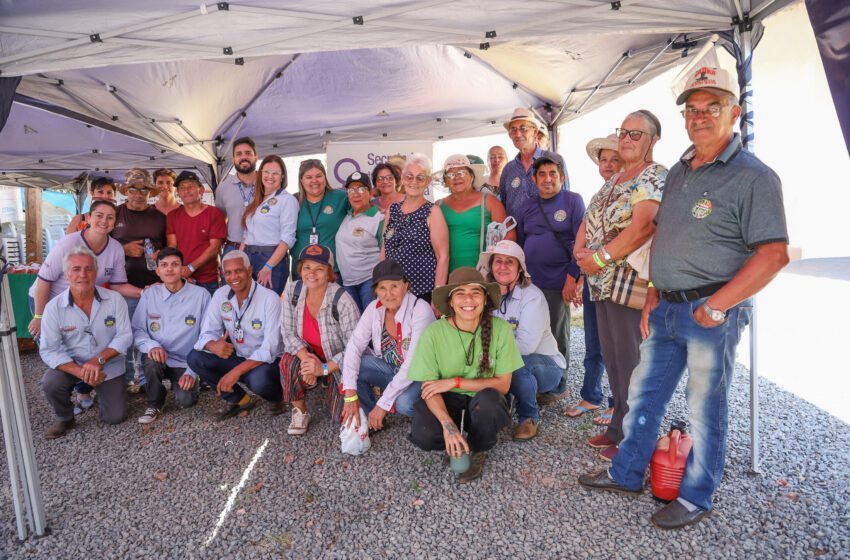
pixel 465 361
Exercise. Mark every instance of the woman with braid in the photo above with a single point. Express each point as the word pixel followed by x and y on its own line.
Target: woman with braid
pixel 465 361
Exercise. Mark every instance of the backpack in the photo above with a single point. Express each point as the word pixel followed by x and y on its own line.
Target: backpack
pixel 334 309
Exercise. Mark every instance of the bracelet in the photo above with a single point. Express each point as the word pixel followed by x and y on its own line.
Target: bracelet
pixel 650 284
pixel 36 316
pixel 457 382
pixel 597 260
pixel 350 399
pixel 325 369
pixel 190 267
pixel 270 267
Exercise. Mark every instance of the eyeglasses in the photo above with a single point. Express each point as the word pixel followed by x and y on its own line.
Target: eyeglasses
pixel 358 189
pixel 712 111
pixel 521 128
pixel 452 174
pixel 385 179
pixel 635 135
pixel 87 330
pixel 135 190
pixel 272 173
pixel 417 178
pixel 307 163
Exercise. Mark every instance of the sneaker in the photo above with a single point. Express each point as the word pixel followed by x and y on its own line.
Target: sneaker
pixel 299 423
pixel 274 408
pixel 233 409
pixel 601 442
pixel 86 401
pixel 149 415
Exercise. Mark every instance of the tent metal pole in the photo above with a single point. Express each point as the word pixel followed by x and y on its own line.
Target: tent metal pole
pixel 601 82
pixel 697 58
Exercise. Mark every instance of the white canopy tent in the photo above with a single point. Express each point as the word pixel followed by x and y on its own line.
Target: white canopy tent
pixel 183 81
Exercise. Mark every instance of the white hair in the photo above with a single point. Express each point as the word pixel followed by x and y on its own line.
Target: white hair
pixel 419 159
pixel 236 255
pixel 79 250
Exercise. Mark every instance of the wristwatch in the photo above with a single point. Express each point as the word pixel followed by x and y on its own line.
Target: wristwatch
pixel 100 359
pixel 605 254
pixel 714 314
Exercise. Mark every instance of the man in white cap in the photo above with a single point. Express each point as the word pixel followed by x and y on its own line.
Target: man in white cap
pixel 721 238
pixel 517 183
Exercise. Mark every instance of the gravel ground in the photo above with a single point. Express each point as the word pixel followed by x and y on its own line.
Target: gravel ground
pixel 304 499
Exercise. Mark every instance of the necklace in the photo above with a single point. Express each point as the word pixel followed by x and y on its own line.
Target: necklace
pixel 468 351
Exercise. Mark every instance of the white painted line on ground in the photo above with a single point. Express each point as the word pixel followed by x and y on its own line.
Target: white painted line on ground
pixel 233 493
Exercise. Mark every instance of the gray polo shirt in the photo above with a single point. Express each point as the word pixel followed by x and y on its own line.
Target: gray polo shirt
pixel 358 245
pixel 68 335
pixel 170 321
pixel 712 218
pixel 231 197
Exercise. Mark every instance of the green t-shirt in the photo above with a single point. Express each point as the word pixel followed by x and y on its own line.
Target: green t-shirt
pixel 440 353
pixel 328 214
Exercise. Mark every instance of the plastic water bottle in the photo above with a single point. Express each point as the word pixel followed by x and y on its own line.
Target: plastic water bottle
pixel 149 254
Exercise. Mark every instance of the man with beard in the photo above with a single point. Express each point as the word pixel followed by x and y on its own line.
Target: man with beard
pixel 236 191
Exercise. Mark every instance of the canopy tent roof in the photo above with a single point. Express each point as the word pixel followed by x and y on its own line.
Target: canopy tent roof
pixel 189 80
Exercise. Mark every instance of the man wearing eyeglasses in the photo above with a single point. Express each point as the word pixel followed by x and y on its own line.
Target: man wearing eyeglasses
pixel 84 332
pixel 235 192
pixel 721 237
pixel 135 222
pixel 516 184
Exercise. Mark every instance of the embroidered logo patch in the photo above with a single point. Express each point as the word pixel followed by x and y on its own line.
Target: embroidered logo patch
pixel 701 208
pixel 390 233
pixel 257 324
pixel 358 232
pixel 226 307
pixel 264 210
pixel 109 321
pixel 560 215
pixel 68 329
pixel 190 320
pixel 405 343
pixel 152 316
pixel 154 327
pixel 513 323
pixel 328 210
pixel 515 182
pixel 272 201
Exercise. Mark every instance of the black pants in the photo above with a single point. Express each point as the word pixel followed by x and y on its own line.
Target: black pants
pixel 155 372
pixel 486 414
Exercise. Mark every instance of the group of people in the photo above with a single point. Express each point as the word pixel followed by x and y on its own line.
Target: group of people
pixel 454 313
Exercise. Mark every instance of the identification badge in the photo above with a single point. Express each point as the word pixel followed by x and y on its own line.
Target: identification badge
pixel 238 335
pixel 314 238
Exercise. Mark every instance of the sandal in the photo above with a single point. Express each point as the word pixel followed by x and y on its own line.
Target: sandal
pixel 605 418
pixel 577 410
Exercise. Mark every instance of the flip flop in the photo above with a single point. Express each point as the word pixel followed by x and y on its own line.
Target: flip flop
pixel 577 410
pixel 605 418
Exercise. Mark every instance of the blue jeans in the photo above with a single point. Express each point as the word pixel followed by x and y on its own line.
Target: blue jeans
pixel 264 380
pixel 362 294
pixel 280 273
pixel 677 341
pixel 211 287
pixel 594 367
pixel 540 374
pixel 378 373
pixel 130 360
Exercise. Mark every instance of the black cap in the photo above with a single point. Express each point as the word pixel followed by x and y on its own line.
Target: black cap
pixel 317 253
pixel 188 176
pixel 387 269
pixel 358 177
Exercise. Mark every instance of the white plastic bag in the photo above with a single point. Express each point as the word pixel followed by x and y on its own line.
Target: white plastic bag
pixel 355 440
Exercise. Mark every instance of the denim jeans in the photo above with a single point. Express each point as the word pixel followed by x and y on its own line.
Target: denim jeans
pixel 375 372
pixel 130 358
pixel 594 367
pixel 362 294
pixel 280 273
pixel 264 380
pixel 211 287
pixel 677 341
pixel 540 374
pixel 155 372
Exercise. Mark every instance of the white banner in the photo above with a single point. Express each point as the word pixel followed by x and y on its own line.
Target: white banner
pixel 344 158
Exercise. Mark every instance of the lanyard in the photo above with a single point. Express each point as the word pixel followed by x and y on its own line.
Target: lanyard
pixel 245 198
pixel 398 340
pixel 315 220
pixel 238 321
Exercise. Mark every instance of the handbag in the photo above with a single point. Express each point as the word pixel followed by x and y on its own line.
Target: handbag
pixel 628 288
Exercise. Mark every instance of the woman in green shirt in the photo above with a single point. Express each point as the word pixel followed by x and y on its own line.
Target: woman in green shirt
pixel 465 361
pixel 321 212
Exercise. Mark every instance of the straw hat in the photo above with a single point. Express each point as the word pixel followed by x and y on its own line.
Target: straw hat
pixel 479 170
pixel 523 114
pixel 595 146
pixel 507 248
pixel 463 276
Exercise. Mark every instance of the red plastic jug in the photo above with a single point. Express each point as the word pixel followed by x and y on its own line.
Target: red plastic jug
pixel 668 462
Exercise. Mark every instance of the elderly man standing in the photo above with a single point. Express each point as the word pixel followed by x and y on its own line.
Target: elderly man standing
pixel 721 238
pixel 240 341
pixel 516 184
pixel 496 158
pixel 84 332
pixel 235 192
pixel 136 222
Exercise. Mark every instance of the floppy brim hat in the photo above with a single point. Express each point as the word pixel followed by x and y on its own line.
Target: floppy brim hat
pixel 595 146
pixel 508 248
pixel 463 276
pixel 479 170
pixel 522 114
pixel 716 81
pixel 137 177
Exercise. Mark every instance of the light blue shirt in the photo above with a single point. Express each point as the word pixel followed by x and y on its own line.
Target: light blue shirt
pixel 528 316
pixel 259 318
pixel 273 221
pixel 170 321
pixel 68 335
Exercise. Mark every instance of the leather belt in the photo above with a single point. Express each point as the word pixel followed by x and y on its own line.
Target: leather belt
pixel 232 244
pixel 682 296
pixel 251 249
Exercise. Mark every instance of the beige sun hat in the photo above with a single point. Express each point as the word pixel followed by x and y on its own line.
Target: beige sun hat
pixel 463 276
pixel 714 80
pixel 523 114
pixel 479 170
pixel 508 248
pixel 137 177
pixel 595 146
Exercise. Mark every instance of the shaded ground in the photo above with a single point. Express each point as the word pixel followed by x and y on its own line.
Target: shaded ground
pixel 304 499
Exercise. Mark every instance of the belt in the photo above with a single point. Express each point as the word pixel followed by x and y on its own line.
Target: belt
pixel 231 244
pixel 681 296
pixel 250 249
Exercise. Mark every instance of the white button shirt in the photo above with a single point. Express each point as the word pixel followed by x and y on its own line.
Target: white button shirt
pixel 170 321
pixel 259 318
pixel 68 335
pixel 273 221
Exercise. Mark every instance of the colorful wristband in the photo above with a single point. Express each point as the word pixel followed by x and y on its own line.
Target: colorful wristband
pixel 598 261
pixel 36 316
pixel 457 382
pixel 270 267
pixel 190 267
pixel 325 370
pixel 650 285
pixel 350 399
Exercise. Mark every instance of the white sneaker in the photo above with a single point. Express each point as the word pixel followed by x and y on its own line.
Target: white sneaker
pixel 149 415
pixel 133 388
pixel 299 423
